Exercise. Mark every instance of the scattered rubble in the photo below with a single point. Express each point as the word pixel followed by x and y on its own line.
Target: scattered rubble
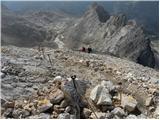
pixel 89 95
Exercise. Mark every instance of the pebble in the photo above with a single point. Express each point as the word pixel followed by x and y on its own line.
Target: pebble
pixel 68 109
pixel 54 114
pixel 118 111
pixel 148 101
pixel 100 115
pixel 8 112
pixel 142 116
pixel 40 116
pixel 64 104
pixel 64 116
pixel 86 112
pixel 131 116
pixel 2 75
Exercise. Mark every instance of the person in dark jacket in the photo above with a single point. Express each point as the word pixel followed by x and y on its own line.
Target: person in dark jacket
pixel 83 49
pixel 89 50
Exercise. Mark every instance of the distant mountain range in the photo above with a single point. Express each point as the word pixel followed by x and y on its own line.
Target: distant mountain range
pixel 145 13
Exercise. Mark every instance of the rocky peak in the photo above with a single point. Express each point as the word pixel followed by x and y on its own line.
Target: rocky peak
pixel 98 10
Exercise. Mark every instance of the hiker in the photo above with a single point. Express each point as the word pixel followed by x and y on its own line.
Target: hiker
pixel 83 49
pixel 89 50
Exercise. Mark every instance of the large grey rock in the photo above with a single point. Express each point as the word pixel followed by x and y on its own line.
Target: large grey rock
pixel 105 98
pixel 100 95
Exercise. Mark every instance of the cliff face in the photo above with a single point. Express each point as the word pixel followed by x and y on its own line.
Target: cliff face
pixel 111 34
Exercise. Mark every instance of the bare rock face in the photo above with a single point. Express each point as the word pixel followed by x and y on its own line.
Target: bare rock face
pixel 110 35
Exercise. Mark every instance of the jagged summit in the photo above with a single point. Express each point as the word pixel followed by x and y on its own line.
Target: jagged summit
pixel 99 11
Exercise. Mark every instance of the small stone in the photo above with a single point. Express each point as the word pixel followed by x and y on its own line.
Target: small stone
pixel 16 113
pixel 142 116
pixel 29 107
pixel 3 102
pixel 116 117
pixel 86 112
pixel 73 117
pixel 109 115
pixel 40 116
pixel 105 108
pixel 118 111
pixel 131 116
pixel 8 112
pixel 54 114
pixel 2 75
pixel 129 103
pixel 9 104
pixel 58 78
pixel 56 97
pixel 58 109
pixel 148 101
pixel 64 104
pixel 100 115
pixel 64 116
pixel 151 109
pixel 45 106
pixel 35 87
pixel 156 113
pixel 25 113
pixel 68 109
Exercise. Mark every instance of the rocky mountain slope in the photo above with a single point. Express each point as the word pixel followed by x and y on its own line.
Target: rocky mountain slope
pixel 35 84
pixel 111 34
pixel 105 33
pixel 18 31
